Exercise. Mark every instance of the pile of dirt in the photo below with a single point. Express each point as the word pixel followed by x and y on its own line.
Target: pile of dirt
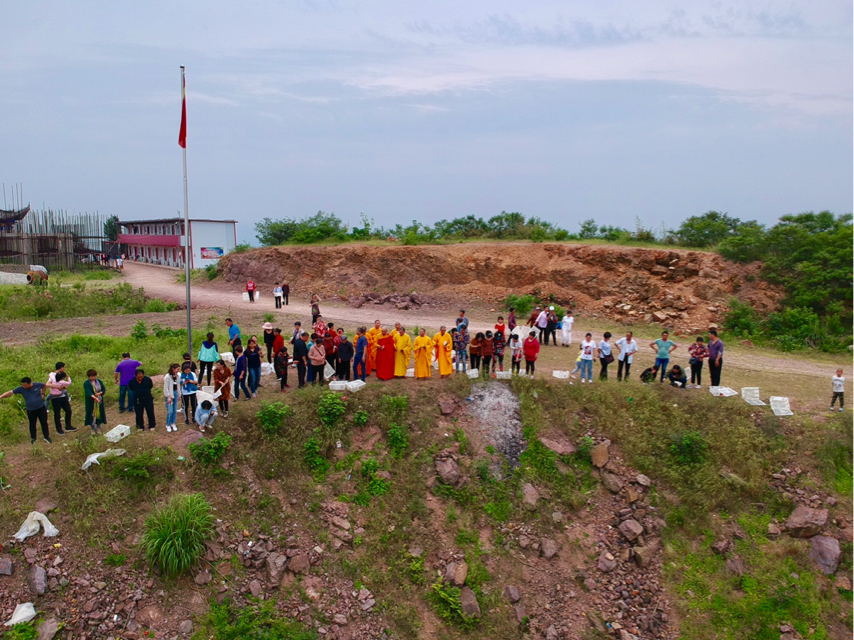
pixel 682 290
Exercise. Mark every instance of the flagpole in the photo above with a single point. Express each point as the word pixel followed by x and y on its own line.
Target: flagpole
pixel 187 247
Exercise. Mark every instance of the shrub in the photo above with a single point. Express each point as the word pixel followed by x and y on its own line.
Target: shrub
pixel 115 560
pixel 398 440
pixel 243 247
pixel 360 418
pixel 21 631
pixel 175 534
pixel 272 417
pixel 330 409
pixel 523 304
pixel 446 602
pixel 139 331
pixel 257 621
pixel 155 305
pixel 688 447
pixel 314 459
pixel 209 451
pixel 142 469
pixel 211 270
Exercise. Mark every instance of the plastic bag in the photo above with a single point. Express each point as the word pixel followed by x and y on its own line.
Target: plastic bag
pixel 328 371
pixel 93 457
pixel 31 527
pixel 23 613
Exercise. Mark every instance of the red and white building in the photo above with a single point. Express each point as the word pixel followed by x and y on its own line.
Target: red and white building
pixel 162 241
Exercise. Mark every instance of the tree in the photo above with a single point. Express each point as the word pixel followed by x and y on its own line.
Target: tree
pixel 589 229
pixel 111 228
pixel 272 232
pixel 706 230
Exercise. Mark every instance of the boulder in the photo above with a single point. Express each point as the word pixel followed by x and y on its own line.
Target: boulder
pixel 37 580
pixel 341 523
pixel 512 593
pixel 299 564
pixel 600 453
pixel 612 482
pixel 560 446
pixel 448 470
pixel 203 578
pixel 45 506
pixel 447 407
pixel 186 627
pixel 631 529
pixel 644 555
pixel 643 481
pixel 825 551
pixel 461 572
pixel 721 546
pixel 806 522
pixel 48 629
pixel 468 603
pixel 607 562
pixel 530 496
pixel 735 566
pixel 548 548
pixel 276 564
pixel 7 567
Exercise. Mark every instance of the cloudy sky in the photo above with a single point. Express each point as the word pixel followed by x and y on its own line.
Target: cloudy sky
pixel 422 111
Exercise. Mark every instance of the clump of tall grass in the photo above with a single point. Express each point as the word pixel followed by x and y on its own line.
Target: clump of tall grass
pixel 175 533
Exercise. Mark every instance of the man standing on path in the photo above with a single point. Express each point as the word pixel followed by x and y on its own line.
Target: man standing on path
pixel 59 400
pixel 542 325
pixel 233 334
pixel 301 358
pixel 663 347
pixel 125 371
pixel 34 402
pixel 628 348
pixel 286 291
pixel 277 294
pixel 141 386
pixel 716 355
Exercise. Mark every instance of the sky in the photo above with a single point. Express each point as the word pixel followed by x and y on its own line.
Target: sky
pixel 614 110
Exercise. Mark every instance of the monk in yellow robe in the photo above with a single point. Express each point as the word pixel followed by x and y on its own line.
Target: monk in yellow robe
pixel 396 331
pixel 423 350
pixel 373 335
pixel 444 346
pixel 402 352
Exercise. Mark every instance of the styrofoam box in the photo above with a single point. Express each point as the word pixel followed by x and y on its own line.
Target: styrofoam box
pixel 338 385
pixel 354 386
pixel 119 433
pixel 227 357
pixel 473 373
pixel 563 375
pixel 245 296
pixel 208 389
pixel 410 373
pixel 503 375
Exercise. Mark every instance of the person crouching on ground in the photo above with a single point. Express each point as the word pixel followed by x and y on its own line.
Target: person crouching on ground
pixel 677 377
pixel 205 415
pixel 648 375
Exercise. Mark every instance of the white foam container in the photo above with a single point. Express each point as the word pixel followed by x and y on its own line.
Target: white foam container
pixel 355 386
pixel 245 296
pixel 503 375
pixel 473 373
pixel 120 432
pixel 410 373
pixel 338 385
pixel 227 357
pixel 563 375
pixel 208 389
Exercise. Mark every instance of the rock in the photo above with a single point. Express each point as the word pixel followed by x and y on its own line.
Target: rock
pixel 448 470
pixel 151 617
pixel 341 535
pixel 468 603
pixel 806 522
pixel 530 496
pixel 255 588
pixel 720 547
pixel 521 614
pixel 340 619
pixel 612 482
pixel 341 523
pixel 631 529
pixel 659 316
pixel 524 541
pixel 632 496
pixel 48 629
pixel 45 506
pixel 512 593
pixel 607 562
pixel 557 517
pixel 299 564
pixel 825 551
pixel 7 567
pixel 644 555
pixel 276 564
pixel 461 572
pixel 643 481
pixel 595 619
pixel 368 604
pixel 384 475
pixel 203 578
pixel 552 633
pixel 600 453
pixel 548 548
pixel 30 554
pixel 416 552
pixel 590 584
pixel 560 446
pixel 842 582
pixel 447 407
pixel 37 580
pixel 186 627
pixel 773 530
pixel 735 566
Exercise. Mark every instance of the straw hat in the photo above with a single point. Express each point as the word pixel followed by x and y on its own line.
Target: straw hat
pixel 267 325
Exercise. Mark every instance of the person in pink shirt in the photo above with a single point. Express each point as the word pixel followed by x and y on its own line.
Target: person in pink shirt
pixel 59 400
pixel 530 349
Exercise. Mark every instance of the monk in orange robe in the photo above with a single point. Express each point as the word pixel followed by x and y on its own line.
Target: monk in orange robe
pixel 373 334
pixel 444 345
pixel 385 356
pixel 423 350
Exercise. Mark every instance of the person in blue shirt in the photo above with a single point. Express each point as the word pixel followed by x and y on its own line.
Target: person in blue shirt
pixel 359 359
pixel 205 415
pixel 233 334
pixel 241 370
pixel 663 347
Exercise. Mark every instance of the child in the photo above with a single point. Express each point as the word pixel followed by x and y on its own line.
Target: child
pixel 577 363
pixel 240 371
pixel 461 346
pixel 515 353
pixel 498 347
pixel 222 383
pixel 474 350
pixel 93 389
pixel 188 359
pixel 487 350
pixel 838 390
pixel 189 386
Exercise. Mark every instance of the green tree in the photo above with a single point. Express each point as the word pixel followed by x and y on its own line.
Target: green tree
pixel 706 230
pixel 111 228
pixel 589 229
pixel 506 225
pixel 273 232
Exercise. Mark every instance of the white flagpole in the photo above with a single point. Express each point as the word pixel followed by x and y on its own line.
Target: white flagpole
pixel 187 247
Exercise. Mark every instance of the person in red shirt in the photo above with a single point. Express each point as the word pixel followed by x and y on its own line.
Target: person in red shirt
pixel 500 326
pixel 250 289
pixel 278 341
pixel 530 348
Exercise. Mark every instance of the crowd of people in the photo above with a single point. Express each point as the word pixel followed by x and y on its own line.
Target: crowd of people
pixel 325 352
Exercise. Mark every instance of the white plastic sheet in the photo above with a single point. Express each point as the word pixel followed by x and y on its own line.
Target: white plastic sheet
pixel 724 392
pixel 328 371
pixel 780 406
pixel 562 375
pixel 751 396
pixel 267 368
pixel 31 527
pixel 93 458
pixel 23 613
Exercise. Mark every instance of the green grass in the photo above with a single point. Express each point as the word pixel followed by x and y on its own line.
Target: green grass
pixel 175 534
pixel 257 621
pixel 78 300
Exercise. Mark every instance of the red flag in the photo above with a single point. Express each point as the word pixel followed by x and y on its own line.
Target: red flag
pixel 182 134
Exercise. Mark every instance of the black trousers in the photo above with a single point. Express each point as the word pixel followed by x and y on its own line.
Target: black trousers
pixel 529 366
pixel 342 369
pixel 286 299
pixel 841 396
pixel 278 302
pixel 620 365
pixel 283 379
pixel 64 404
pixel 269 353
pixel 251 296
pixel 205 365
pixel 516 366
pixel 697 373
pixel 603 371
pixel 301 373
pixel 487 364
pixel 475 360
pixel 39 415
pixel 190 404
pixel 715 372
pixel 146 405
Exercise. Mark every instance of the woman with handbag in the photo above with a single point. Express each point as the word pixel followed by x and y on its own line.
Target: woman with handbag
pixel 605 356
pixel 698 352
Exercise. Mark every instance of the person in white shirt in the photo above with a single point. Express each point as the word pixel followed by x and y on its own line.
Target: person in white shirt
pixel 605 357
pixel 566 329
pixel 542 324
pixel 588 352
pixel 628 347
pixel 277 294
pixel 838 390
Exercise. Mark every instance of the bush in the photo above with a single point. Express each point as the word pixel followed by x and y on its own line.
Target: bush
pixel 22 631
pixel 272 417
pixel 446 602
pixel 243 247
pixel 398 440
pixel 313 457
pixel 688 448
pixel 255 621
pixel 360 418
pixel 139 331
pixel 175 534
pixel 155 305
pixel 211 270
pixel 330 409
pixel 524 304
pixel 209 451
